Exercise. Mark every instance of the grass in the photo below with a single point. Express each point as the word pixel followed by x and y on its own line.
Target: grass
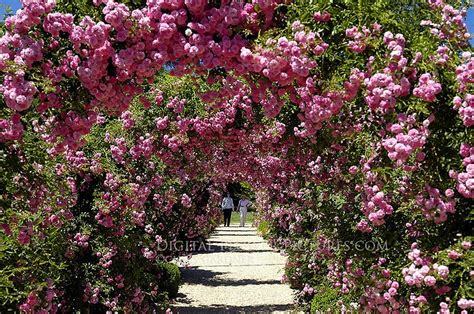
pixel 235 218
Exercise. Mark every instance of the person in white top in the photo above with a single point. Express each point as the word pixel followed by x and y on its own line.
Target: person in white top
pixel 227 208
pixel 243 206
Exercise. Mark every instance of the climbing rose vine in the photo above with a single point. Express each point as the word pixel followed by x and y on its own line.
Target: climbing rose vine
pixel 121 122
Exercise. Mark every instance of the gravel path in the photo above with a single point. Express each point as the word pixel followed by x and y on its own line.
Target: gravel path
pixel 236 273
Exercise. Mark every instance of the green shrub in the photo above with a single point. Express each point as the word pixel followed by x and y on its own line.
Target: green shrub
pixel 171 279
pixel 263 229
pixel 326 298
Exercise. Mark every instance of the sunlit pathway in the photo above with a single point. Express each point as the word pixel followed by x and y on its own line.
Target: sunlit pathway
pixel 238 272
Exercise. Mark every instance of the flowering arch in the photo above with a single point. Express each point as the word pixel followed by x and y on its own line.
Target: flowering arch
pixel 119 127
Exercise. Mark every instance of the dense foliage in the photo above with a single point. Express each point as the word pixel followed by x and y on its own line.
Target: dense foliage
pixel 121 123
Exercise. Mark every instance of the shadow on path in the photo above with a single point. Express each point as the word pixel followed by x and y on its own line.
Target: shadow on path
pixel 222 234
pixel 233 282
pixel 216 248
pixel 210 278
pixel 235 242
pixel 196 275
pixel 270 308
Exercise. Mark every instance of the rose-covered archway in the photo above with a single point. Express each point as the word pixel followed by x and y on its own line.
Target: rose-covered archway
pixel 123 122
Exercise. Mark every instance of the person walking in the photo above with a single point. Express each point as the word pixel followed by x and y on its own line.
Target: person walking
pixel 227 208
pixel 243 206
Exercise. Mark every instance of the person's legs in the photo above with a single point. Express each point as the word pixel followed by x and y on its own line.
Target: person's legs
pixel 243 216
pixel 227 214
